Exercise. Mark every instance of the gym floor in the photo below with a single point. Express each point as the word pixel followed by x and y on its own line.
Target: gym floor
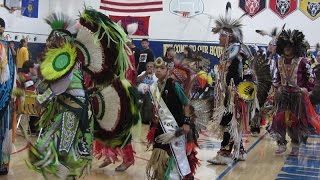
pixel 261 164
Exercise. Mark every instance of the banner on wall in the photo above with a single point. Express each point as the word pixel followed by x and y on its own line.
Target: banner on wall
pixel 210 51
pixel 142 22
pixel 283 7
pixel 252 7
pixel 30 8
pixel 311 8
pixel 131 6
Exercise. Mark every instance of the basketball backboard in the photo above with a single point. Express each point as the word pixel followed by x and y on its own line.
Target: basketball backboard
pixel 186 8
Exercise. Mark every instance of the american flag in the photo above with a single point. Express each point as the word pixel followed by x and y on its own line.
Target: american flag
pixel 131 6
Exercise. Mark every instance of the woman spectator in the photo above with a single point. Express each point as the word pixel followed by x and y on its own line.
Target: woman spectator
pixel 22 54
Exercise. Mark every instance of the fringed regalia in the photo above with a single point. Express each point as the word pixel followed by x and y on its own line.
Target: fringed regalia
pixel 229 108
pixel 229 111
pixel 294 111
pixel 7 78
pixel 65 148
pixel 174 153
pixel 233 95
pixel 102 47
pixel 169 161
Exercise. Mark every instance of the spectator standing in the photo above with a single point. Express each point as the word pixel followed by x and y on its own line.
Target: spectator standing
pixel 145 56
pixel 22 54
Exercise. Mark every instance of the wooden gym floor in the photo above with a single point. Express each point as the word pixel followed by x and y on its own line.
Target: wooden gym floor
pixel 262 163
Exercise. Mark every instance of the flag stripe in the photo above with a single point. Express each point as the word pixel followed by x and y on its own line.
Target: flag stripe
pixel 130 10
pixel 107 2
pixel 131 6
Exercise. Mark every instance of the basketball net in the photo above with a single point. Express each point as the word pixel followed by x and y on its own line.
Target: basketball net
pixel 184 14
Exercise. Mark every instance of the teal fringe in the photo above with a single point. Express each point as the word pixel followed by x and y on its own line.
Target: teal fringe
pixel 169 168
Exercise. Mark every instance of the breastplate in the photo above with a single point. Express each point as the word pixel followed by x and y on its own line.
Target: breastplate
pixel 288 72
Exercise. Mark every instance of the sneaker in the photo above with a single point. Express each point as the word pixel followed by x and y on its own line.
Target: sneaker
pixel 254 134
pixel 105 163
pixel 4 171
pixel 281 149
pixel 221 160
pixel 242 156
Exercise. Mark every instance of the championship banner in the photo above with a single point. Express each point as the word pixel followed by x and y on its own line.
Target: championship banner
pixel 252 7
pixel 142 29
pixel 30 8
pixel 310 8
pixel 283 7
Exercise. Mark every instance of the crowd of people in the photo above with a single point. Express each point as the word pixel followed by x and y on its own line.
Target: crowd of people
pixel 93 88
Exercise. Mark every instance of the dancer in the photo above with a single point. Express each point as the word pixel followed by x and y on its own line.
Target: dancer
pixel 294 111
pixel 174 119
pixel 65 149
pixel 230 117
pixel 114 101
pixel 7 79
pixel 230 75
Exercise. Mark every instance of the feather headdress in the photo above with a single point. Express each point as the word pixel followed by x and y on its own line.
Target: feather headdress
pixel 273 34
pixel 294 39
pixel 229 26
pixel 60 24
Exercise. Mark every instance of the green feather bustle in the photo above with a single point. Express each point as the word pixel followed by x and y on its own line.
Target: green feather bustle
pixel 114 33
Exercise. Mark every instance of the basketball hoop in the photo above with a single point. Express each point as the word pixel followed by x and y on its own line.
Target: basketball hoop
pixel 185 14
pixel 186 8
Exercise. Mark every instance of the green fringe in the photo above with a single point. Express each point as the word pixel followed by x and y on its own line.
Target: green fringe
pixel 169 168
pixel 134 108
pixel 48 114
pixel 43 168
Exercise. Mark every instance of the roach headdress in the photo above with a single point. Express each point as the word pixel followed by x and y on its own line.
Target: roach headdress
pixel 227 25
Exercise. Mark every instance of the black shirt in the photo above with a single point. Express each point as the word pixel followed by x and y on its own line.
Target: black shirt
pixel 145 57
pixel 136 51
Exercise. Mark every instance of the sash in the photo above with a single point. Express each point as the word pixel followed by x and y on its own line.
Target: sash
pixel 169 124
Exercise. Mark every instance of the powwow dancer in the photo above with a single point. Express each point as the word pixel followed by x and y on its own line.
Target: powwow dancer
pixel 65 149
pixel 102 47
pixel 174 119
pixel 294 81
pixel 229 116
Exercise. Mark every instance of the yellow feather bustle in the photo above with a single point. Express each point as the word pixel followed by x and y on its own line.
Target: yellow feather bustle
pixel 58 62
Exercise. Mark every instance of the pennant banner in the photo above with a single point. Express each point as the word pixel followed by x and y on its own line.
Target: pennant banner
pixel 252 7
pixel 30 8
pixel 310 8
pixel 135 25
pixel 283 7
